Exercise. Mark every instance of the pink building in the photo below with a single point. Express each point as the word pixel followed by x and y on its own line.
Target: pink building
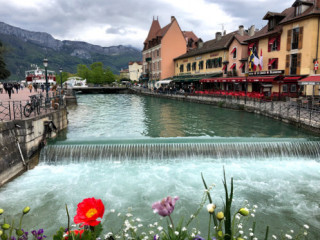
pixel 161 46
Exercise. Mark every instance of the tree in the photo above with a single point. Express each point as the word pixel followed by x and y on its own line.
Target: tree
pixel 4 73
pixel 97 73
pixel 109 76
pixel 83 72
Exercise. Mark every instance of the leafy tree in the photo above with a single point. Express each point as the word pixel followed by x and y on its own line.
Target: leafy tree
pixel 96 74
pixel 109 76
pixel 83 72
pixel 4 73
pixel 65 76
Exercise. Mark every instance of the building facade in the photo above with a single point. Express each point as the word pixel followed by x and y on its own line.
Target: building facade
pixel 161 46
pixel 135 70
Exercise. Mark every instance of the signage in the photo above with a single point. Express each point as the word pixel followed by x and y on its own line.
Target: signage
pixel 271 72
pixel 316 65
pixel 198 58
pixel 185 60
pixel 214 54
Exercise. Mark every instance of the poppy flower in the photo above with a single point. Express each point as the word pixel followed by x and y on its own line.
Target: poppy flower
pixel 75 232
pixel 88 211
pixel 165 207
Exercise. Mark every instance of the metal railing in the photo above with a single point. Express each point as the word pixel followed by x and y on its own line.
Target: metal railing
pixel 14 110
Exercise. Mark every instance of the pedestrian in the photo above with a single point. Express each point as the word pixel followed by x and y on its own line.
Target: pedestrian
pixel 42 87
pixel 9 89
pixel 1 87
pixel 16 86
pixel 30 87
pixel 35 86
pixel 5 87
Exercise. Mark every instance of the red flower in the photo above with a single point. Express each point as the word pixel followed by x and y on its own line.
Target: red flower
pixel 88 211
pixel 75 232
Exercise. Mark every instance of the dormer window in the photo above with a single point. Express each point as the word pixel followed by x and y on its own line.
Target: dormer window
pixel 298 10
pixel 271 23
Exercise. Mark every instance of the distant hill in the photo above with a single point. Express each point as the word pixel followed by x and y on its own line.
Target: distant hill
pixel 27 47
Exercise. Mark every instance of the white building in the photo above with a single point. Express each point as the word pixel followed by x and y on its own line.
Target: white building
pixel 135 70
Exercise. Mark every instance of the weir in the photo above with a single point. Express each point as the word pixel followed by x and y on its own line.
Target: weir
pixel 159 151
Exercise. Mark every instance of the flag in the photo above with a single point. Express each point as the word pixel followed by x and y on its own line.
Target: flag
pixel 261 61
pixel 251 61
pixel 256 59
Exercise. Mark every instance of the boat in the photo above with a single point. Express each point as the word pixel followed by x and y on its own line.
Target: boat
pixel 37 76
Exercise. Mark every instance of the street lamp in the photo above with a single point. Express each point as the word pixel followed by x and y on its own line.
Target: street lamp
pixel 61 78
pixel 45 64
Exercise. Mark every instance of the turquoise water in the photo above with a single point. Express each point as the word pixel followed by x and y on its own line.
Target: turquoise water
pixel 285 188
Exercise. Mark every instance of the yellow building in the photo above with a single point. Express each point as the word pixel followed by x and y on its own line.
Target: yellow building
pixel 289 47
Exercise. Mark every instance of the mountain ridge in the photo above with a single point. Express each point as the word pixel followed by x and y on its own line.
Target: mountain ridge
pixel 29 44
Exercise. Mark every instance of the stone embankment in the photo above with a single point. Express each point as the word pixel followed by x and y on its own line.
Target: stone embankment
pixel 21 139
pixel 300 114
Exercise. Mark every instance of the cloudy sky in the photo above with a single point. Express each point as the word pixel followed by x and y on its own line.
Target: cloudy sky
pixel 127 22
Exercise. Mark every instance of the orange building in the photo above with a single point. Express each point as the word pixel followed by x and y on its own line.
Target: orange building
pixel 161 46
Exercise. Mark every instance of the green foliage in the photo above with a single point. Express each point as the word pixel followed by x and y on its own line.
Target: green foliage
pixel 96 74
pixel 4 72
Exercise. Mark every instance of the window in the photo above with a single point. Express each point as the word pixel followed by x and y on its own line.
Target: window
pixel 194 66
pixel 285 88
pixel 209 63
pixel 157 53
pixel 295 38
pixel 181 68
pixel 298 10
pixel 294 64
pixel 293 88
pixel 234 52
pixel 200 65
pixel 188 67
pixel 243 68
pixel 271 24
pixel 274 44
pixel 273 63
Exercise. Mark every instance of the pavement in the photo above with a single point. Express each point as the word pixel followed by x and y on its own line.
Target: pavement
pixel 22 95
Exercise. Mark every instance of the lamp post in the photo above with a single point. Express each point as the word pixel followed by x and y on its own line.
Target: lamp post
pixel 45 64
pixel 61 79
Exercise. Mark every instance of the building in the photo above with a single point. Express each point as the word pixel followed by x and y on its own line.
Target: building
pixel 124 74
pixel 135 70
pixel 290 46
pixel 161 46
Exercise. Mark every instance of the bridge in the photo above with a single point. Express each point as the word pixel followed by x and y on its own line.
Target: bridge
pixel 100 89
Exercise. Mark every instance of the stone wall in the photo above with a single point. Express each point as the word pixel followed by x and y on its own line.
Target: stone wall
pixel 30 135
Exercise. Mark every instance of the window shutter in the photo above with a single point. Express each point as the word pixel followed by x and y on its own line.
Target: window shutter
pixel 298 63
pixel 289 40
pixel 286 72
pixel 278 42
pixel 276 63
pixel 300 37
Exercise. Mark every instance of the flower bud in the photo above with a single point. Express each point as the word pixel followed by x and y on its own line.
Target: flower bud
pixel 26 210
pixel 220 234
pixel 243 211
pixel 1 211
pixel 19 232
pixel 211 207
pixel 240 238
pixel 1 232
pixel 220 216
pixel 5 226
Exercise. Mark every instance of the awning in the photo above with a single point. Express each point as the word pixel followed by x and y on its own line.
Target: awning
pixel 233 50
pixel 272 61
pixel 292 78
pixel 232 66
pixel 271 41
pixel 229 80
pixel 311 80
pixel 261 79
pixel 224 67
pixel 251 45
pixel 241 66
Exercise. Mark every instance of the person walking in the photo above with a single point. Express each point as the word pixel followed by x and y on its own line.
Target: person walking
pixel 1 87
pixel 30 87
pixel 9 89
pixel 42 87
pixel 35 86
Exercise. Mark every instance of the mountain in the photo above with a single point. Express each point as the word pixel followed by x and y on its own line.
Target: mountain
pixel 26 47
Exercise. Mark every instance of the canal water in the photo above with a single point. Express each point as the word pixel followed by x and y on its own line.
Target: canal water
pixel 131 151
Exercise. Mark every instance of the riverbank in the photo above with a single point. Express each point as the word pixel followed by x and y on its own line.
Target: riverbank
pixel 302 116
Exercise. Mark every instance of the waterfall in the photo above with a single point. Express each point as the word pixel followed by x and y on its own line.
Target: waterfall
pixel 157 151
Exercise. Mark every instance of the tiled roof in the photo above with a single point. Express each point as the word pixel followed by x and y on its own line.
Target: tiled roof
pixel 154 29
pixel 288 16
pixel 214 45
pixel 140 63
pixel 190 34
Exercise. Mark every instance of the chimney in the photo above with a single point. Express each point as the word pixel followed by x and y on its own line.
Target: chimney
pixel 224 32
pixel 200 44
pixel 241 30
pixel 218 36
pixel 252 30
pixel 172 18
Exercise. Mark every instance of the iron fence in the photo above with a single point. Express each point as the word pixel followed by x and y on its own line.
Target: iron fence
pixel 15 110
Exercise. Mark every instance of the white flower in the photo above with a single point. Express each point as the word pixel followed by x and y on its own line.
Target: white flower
pixel 192 216
pixel 184 229
pixel 253 210
pixel 155 224
pixel 250 229
pixel 176 233
pixel 112 210
pixel 291 231
pixel 252 215
pixel 306 226
pixel 255 238
pixel 129 215
pixel 108 235
pixel 274 236
pixel 245 237
pixel 138 219
pixel 211 207
pixel 150 225
pixel 240 226
pixel 241 232
pixel 255 206
pixel 238 216
pixel 170 225
pixel 119 214
pixel 143 233
pixel 193 235
pixel 199 232
pixel 140 225
pixel 146 237
pixel 151 232
pixel 157 237
pixel 251 234
pixel 160 228
pixel 288 236
pixel 305 233
pixel 126 235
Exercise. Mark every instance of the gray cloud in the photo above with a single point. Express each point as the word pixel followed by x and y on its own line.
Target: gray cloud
pixel 122 18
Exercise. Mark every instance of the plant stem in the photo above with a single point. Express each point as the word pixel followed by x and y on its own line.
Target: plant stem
pixel 209 227
pixel 68 217
pixel 20 221
pixel 171 222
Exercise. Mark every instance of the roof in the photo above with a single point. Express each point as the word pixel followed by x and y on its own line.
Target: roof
pixel 288 16
pixel 190 35
pixel 139 63
pixel 311 79
pixel 155 27
pixel 215 44
pixel 124 71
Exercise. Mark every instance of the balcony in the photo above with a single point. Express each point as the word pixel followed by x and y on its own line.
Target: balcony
pixel 149 59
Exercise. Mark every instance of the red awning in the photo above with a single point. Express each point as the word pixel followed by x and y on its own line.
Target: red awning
pixel 241 66
pixel 231 79
pixel 311 80
pixel 292 78
pixel 232 66
pixel 251 45
pixel 261 79
pixel 233 50
pixel 224 67
pixel 272 61
pixel 271 41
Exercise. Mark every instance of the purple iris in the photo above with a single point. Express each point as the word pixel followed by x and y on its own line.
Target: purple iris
pixel 165 207
pixel 198 238
pixel 38 234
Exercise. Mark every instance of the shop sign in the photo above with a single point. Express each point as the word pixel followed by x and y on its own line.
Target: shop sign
pixel 198 58
pixel 316 65
pixel 271 72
